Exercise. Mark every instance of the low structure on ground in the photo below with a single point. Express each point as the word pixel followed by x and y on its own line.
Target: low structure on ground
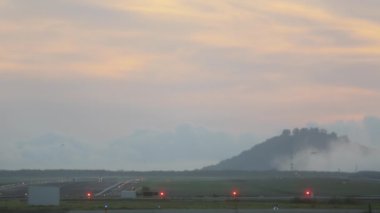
pixel 128 194
pixel 43 195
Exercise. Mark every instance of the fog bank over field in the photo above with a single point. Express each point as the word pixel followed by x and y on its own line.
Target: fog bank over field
pixel 305 149
pixel 340 157
pixel 349 157
pixel 187 147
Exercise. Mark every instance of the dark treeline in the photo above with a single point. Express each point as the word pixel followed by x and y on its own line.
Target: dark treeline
pixel 186 174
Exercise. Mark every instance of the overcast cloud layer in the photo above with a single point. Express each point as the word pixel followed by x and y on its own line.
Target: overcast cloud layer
pixel 193 81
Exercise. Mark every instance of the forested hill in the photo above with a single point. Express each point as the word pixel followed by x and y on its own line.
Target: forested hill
pixel 278 153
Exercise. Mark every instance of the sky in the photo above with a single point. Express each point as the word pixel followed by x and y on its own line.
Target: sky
pixel 179 84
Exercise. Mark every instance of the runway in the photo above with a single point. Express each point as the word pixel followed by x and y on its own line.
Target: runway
pixel 230 211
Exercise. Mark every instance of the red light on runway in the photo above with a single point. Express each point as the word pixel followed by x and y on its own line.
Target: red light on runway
pixel 234 194
pixel 308 193
pixel 162 194
pixel 89 195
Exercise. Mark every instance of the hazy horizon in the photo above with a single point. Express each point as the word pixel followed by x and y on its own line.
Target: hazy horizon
pixel 176 85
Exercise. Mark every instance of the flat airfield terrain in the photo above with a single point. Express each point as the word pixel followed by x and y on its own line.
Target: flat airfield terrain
pixel 232 211
pixel 195 191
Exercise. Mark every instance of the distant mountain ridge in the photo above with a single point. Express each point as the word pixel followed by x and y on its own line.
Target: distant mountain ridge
pixel 278 153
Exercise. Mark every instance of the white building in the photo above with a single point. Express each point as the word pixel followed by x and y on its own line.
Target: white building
pixel 128 194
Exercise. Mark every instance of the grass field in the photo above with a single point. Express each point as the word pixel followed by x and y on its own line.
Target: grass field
pixel 257 187
pixel 13 205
